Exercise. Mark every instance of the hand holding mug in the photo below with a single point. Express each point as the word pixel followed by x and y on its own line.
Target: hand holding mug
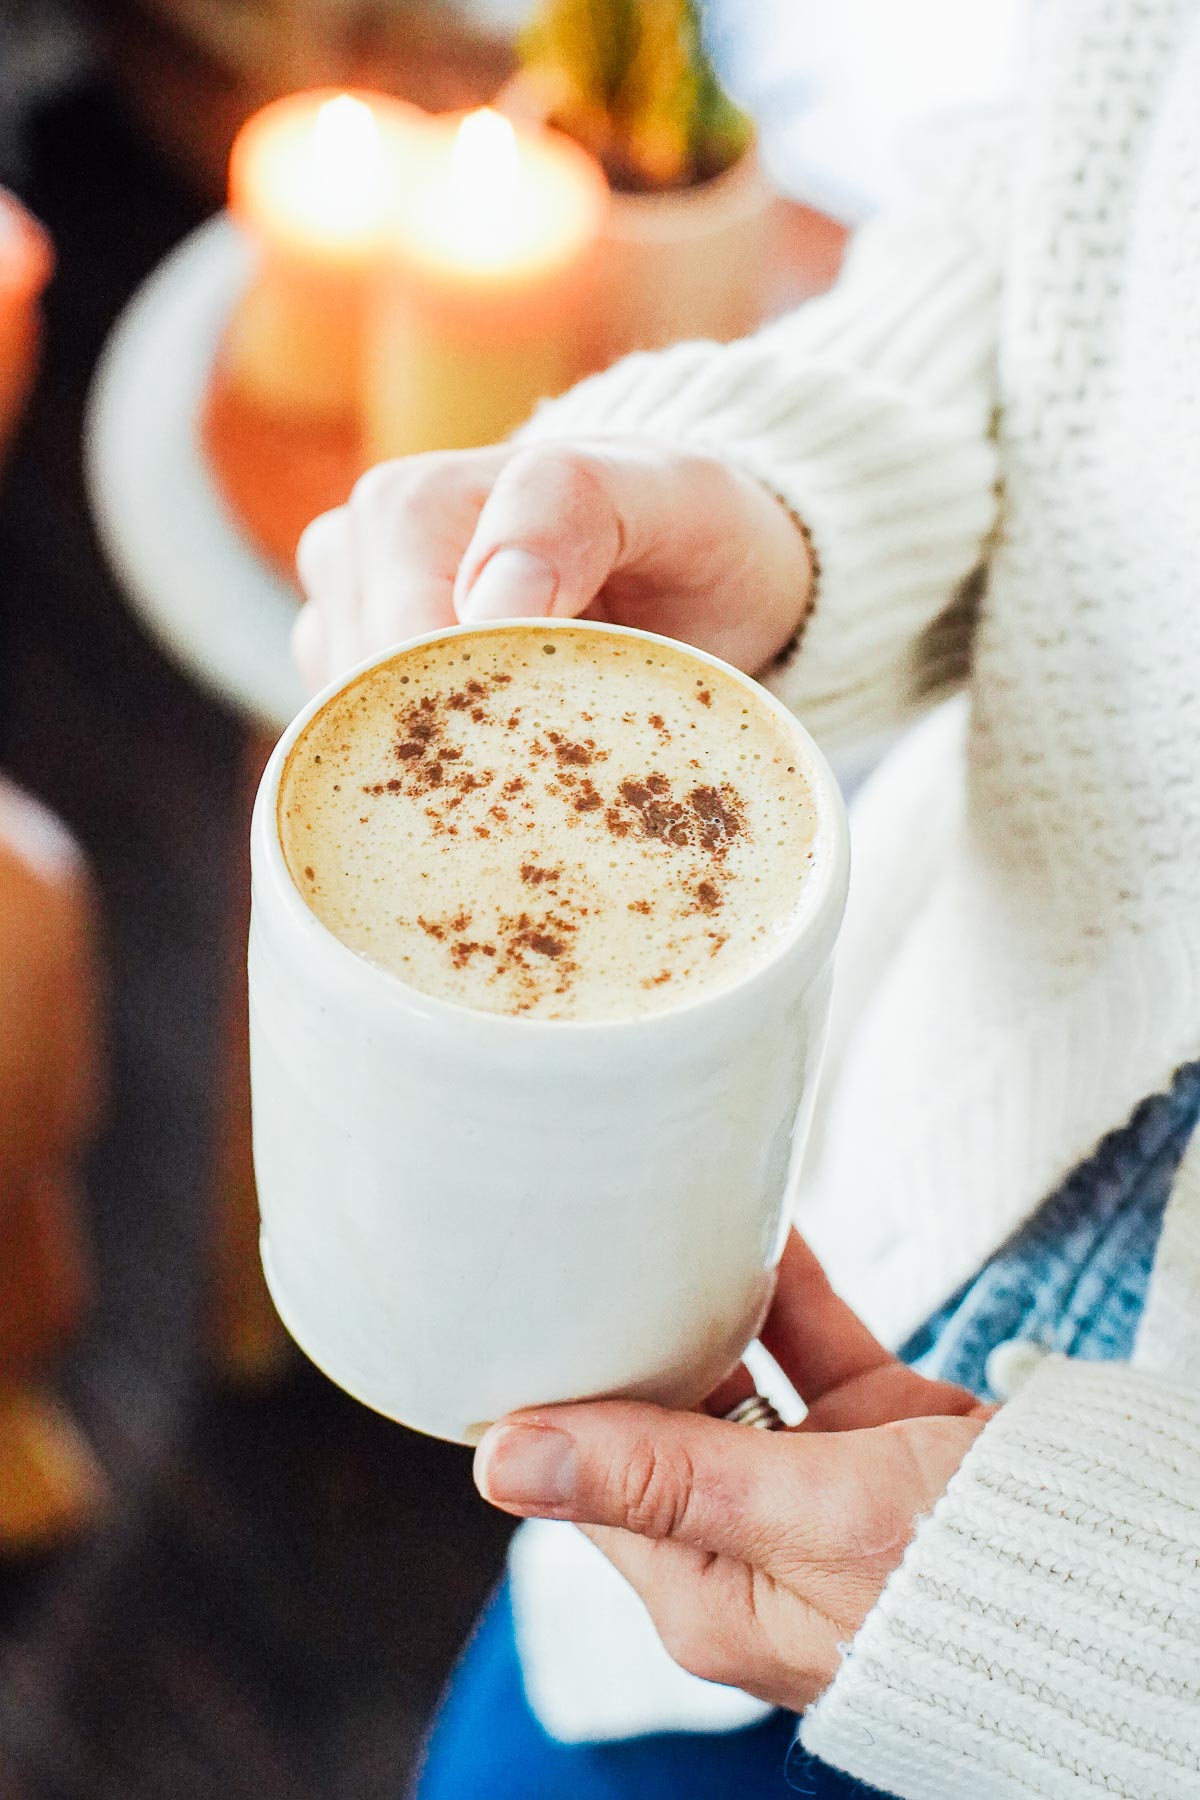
pixel 757 1554
pixel 624 530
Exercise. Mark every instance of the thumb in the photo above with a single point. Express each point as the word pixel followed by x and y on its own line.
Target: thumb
pixel 561 519
pixel 768 1499
pixel 546 540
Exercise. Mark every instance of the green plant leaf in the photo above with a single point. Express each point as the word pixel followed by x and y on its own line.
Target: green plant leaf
pixel 631 79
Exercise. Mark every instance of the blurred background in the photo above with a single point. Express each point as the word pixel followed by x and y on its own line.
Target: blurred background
pixel 218 1575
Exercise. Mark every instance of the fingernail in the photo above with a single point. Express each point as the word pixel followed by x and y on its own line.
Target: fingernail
pixel 512 584
pixel 526 1465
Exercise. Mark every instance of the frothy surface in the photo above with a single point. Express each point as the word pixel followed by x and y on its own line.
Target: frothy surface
pixel 567 824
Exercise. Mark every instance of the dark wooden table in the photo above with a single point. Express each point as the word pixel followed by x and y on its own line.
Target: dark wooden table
pixel 284 1579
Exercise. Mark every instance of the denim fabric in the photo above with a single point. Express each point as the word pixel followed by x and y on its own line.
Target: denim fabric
pixel 1072 1279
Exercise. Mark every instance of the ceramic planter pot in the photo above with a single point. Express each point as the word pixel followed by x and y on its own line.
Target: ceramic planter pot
pixel 684 264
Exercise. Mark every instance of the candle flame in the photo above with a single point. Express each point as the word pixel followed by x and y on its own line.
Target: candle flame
pixel 485 151
pixel 484 185
pixel 345 164
pixel 345 133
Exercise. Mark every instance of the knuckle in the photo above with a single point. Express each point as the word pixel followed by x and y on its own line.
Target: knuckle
pixel 378 488
pixel 567 477
pixel 437 474
pixel 393 487
pixel 656 1488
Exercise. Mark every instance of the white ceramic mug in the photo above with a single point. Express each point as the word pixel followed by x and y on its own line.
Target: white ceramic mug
pixel 466 1212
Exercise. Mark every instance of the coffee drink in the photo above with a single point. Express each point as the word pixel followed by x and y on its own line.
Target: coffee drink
pixel 541 941
pixel 559 823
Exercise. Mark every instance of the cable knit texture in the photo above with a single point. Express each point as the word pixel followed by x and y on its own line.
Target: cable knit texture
pixel 869 424
pixel 1043 1634
pixel 1013 987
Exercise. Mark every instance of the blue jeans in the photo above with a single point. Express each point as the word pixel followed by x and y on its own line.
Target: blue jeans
pixel 486 1744
pixel 1073 1278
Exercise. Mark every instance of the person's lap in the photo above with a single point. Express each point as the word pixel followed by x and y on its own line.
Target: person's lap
pixel 486 1744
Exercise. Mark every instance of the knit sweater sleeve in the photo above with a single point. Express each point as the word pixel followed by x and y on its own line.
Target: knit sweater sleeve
pixel 867 412
pixel 1042 1635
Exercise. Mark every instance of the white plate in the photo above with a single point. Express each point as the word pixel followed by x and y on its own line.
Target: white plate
pixel 200 588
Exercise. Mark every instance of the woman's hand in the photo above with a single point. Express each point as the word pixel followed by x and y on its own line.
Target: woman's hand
pixel 625 530
pixel 757 1554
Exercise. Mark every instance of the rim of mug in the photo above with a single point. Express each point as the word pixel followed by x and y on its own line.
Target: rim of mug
pixel 822 895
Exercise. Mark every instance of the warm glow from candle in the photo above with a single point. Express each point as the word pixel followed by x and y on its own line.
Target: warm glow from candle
pixel 319 173
pixel 492 202
pixel 485 161
pixel 485 167
pixel 345 168
pixel 483 309
pixel 313 181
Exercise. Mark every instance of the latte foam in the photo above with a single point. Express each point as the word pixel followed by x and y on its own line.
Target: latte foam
pixel 564 824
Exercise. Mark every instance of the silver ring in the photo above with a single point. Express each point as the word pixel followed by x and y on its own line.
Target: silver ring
pixel 756 1411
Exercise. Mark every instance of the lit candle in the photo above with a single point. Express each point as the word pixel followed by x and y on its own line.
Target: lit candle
pixel 26 264
pixel 313 180
pixel 482 312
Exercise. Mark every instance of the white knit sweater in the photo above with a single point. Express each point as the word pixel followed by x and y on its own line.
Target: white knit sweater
pixel 1021 965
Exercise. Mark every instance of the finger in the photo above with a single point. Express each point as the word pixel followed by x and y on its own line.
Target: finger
pixel 547 538
pixel 413 519
pixel 716 1621
pixel 322 557
pixel 563 519
pixel 818 1341
pixel 735 1388
pixel 327 566
pixel 640 1560
pixel 845 1376
pixel 309 651
pixel 764 1498
pixel 699 1611
pixel 883 1396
